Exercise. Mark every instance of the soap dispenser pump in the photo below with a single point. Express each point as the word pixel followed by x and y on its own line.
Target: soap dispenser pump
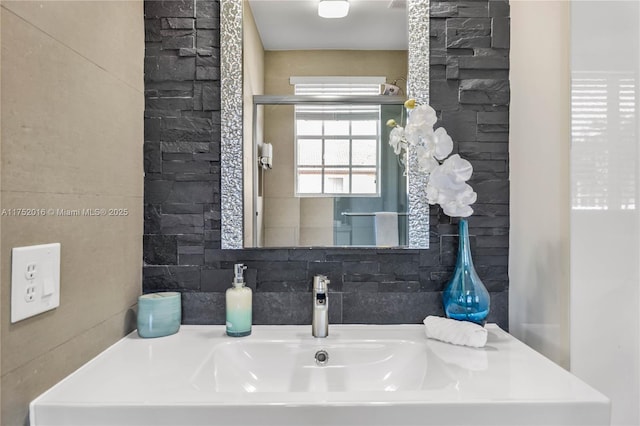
pixel 238 305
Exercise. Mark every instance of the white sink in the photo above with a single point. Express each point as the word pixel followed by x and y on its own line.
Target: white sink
pixel 290 366
pixel 375 375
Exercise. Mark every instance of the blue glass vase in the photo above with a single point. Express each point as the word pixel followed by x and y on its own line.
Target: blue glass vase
pixel 465 298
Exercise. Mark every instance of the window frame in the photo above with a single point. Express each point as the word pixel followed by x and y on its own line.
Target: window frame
pixel 351 168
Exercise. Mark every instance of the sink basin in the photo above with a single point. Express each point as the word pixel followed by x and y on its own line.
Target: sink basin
pixel 290 366
pixel 375 375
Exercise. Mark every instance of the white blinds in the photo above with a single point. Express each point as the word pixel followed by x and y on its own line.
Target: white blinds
pixel 337 112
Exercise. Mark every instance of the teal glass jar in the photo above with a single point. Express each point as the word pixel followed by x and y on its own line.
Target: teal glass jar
pixel 465 297
pixel 159 314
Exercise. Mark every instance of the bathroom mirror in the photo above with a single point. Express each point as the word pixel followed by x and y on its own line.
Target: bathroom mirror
pixel 241 146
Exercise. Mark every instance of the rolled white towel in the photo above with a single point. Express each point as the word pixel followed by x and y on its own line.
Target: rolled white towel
pixel 462 333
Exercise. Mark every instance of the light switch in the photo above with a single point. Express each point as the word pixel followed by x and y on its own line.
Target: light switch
pixel 49 287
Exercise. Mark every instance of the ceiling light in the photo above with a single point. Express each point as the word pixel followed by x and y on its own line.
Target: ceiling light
pixel 333 8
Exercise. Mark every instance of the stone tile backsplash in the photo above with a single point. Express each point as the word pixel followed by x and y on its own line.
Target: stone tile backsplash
pixel 470 91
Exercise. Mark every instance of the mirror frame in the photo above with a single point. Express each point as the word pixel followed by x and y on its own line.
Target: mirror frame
pixel 231 146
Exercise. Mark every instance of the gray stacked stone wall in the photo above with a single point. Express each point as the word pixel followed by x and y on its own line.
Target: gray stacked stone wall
pixel 470 91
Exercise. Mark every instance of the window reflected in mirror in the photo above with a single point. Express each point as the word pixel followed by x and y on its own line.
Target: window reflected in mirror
pixel 337 150
pixel 334 181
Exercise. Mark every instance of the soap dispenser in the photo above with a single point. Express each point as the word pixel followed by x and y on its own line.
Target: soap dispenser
pixel 238 305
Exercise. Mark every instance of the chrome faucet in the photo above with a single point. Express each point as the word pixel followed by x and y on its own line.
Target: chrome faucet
pixel 320 322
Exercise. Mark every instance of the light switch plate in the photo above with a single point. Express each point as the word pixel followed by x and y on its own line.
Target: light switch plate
pixel 35 280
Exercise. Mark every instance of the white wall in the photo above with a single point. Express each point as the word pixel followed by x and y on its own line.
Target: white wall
pixel 539 188
pixel 605 252
pixel 575 226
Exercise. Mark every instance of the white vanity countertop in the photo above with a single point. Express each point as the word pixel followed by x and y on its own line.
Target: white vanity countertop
pixel 160 381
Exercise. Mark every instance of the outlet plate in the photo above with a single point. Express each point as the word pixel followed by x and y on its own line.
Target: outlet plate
pixel 35 280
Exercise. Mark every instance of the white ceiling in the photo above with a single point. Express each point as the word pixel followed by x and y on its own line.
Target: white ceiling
pixel 295 25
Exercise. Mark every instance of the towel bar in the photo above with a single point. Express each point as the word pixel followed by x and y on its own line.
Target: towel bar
pixel 365 214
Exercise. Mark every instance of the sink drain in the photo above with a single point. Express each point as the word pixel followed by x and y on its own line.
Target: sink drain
pixel 322 357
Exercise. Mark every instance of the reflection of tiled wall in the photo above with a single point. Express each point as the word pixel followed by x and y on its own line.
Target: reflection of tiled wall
pixel 470 90
pixel 281 215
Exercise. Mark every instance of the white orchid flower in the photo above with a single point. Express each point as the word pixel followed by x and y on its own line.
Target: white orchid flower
pixel 419 128
pixel 468 196
pixel 443 143
pixel 396 139
pixel 455 210
pixel 418 135
pixel 458 167
pixel 426 162
pixel 447 180
pixel 447 186
pixel 424 115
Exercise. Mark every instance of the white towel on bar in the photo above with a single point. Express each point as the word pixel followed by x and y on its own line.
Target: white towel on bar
pixel 386 224
pixel 462 333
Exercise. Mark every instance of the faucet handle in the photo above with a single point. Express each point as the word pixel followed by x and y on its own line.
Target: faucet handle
pixel 320 320
pixel 320 282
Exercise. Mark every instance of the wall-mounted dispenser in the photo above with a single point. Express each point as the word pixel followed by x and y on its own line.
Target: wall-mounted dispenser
pixel 266 156
pixel 392 89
